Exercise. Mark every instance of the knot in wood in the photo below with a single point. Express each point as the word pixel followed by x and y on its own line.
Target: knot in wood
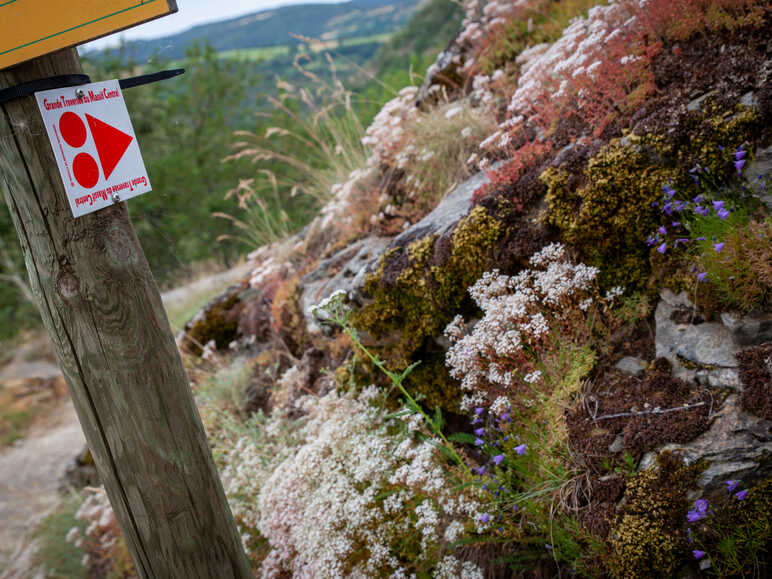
pixel 67 284
pixel 119 245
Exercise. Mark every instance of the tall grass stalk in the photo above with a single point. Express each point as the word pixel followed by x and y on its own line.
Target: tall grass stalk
pixel 318 139
pixel 264 220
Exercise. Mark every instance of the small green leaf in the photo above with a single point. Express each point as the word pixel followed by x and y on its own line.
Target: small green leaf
pixel 439 421
pixel 462 438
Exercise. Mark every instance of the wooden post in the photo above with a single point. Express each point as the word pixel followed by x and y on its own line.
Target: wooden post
pixel 103 311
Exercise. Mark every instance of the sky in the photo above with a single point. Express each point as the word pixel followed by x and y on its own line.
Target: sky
pixel 192 13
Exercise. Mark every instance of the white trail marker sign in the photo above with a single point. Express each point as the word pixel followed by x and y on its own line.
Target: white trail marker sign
pixel 94 144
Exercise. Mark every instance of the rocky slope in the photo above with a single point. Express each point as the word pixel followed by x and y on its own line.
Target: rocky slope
pixel 568 227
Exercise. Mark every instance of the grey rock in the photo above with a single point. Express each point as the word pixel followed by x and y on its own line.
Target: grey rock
pixel 443 71
pixel 346 270
pixel 618 445
pixel 757 172
pixel 683 373
pixel 450 210
pixel 707 344
pixel 676 300
pixel 749 330
pixel 577 148
pixel 696 104
pixel 632 366
pixel 719 378
pixel 736 446
pixel 749 99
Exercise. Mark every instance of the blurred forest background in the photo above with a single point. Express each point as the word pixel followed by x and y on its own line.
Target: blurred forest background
pixel 242 149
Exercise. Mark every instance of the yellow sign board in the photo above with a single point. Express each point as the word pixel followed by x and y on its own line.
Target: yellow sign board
pixel 30 28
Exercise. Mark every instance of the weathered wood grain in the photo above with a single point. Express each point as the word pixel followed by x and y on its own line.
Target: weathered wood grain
pixel 103 311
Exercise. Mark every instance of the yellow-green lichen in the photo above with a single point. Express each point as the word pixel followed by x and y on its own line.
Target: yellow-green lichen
pixel 416 291
pixel 648 540
pixel 610 215
pixel 216 323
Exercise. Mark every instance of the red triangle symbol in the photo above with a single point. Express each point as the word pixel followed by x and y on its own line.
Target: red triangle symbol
pixel 111 143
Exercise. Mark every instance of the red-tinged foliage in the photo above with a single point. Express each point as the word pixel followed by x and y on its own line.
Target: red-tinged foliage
pixel 520 160
pixel 620 82
pixel 677 20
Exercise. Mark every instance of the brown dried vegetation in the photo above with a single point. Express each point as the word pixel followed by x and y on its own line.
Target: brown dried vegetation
pixel 756 376
pixel 592 432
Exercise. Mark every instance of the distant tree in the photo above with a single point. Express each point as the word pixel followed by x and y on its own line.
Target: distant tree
pixel 185 129
pixel 18 308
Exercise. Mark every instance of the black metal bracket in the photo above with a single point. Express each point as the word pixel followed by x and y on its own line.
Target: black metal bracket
pixel 148 78
pixel 52 82
pixel 67 80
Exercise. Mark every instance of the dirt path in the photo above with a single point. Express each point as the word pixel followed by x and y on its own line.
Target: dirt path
pixel 31 468
pixel 29 475
pixel 210 284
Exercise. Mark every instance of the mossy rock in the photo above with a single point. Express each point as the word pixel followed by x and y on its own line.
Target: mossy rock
pixel 218 321
pixel 648 536
pixel 417 289
pixel 288 318
pixel 610 214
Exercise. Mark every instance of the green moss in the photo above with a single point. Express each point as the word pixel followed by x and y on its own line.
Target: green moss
pixel 648 536
pixel 610 216
pixel 215 324
pixel 417 290
pixel 432 383
pixel 13 425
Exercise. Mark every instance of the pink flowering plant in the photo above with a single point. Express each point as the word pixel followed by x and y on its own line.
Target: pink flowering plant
pixel 519 366
pixel 507 357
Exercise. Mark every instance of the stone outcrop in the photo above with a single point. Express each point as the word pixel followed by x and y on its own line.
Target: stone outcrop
pixel 738 443
pixel 346 270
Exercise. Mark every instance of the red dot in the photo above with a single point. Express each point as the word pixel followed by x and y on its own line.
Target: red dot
pixel 73 129
pixel 86 171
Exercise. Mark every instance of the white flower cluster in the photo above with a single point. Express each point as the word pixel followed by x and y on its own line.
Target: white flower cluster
pixel 614 293
pixel 337 505
pixel 102 532
pixel 480 18
pixel 452 568
pixel 517 312
pixel 577 53
pixel 344 196
pixel 251 460
pixel 386 133
pixel 483 88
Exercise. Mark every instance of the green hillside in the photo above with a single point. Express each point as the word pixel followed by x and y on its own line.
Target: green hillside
pixel 272 28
